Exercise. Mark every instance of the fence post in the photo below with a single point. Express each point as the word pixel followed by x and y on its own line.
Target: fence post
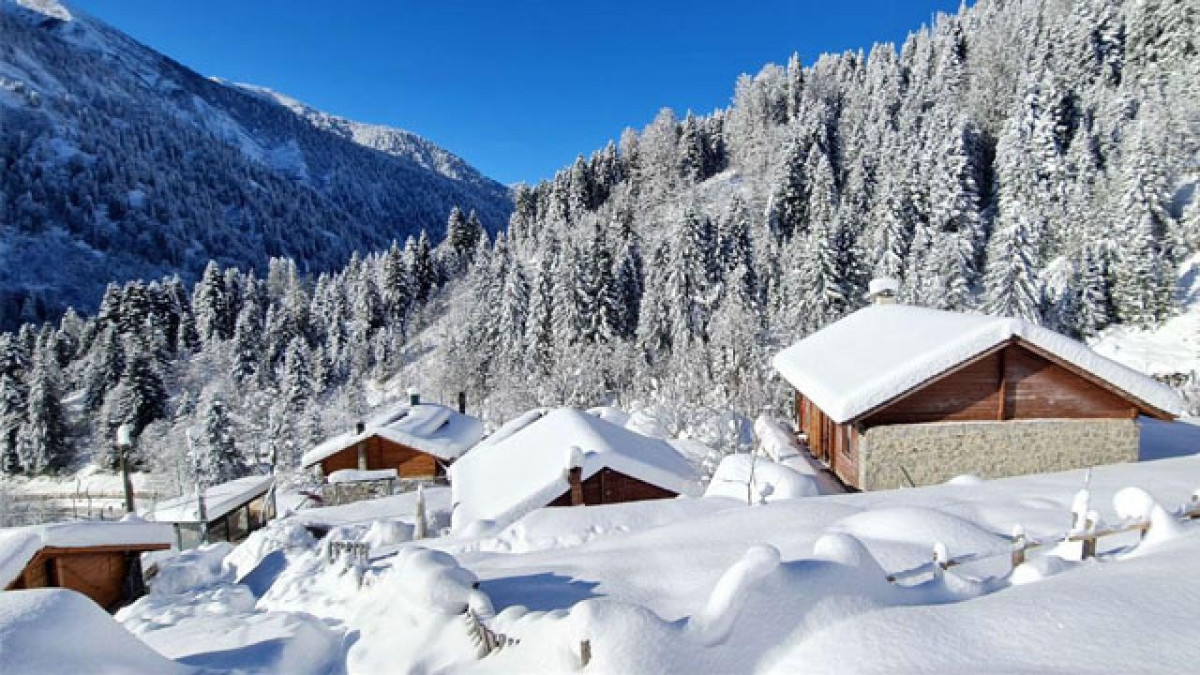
pixel 1020 544
pixel 585 653
pixel 1089 542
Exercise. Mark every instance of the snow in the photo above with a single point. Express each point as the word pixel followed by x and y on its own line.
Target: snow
pixel 428 427
pixel 18 545
pixel 401 506
pixel 527 470
pixel 218 500
pixel 51 631
pixel 880 352
pixel 759 479
pixel 357 475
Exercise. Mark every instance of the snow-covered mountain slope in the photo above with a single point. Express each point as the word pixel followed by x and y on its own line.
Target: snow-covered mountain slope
pixel 119 163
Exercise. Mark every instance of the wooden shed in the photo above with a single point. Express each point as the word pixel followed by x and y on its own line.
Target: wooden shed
pixel 96 558
pixel 564 457
pixel 232 510
pixel 895 395
pixel 417 441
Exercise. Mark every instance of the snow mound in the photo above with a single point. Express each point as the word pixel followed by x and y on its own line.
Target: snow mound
pixel 431 579
pixel 780 444
pixel 714 623
pixel 1036 569
pixel 199 567
pixel 388 533
pixel 50 631
pixel 903 536
pixel 760 479
pixel 1134 503
pixel 279 535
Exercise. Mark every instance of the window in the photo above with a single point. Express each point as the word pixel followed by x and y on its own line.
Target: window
pixel 218 530
pixel 187 535
pixel 239 523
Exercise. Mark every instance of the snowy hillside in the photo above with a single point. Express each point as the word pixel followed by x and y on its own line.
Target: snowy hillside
pixel 120 163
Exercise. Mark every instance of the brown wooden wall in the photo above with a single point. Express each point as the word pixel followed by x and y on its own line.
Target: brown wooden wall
pixel 834 444
pixel 1012 383
pixel 97 572
pixel 384 454
pixel 612 487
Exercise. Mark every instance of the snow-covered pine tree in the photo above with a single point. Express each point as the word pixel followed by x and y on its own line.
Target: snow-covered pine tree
pixel 1011 286
pixel 219 459
pixel 42 442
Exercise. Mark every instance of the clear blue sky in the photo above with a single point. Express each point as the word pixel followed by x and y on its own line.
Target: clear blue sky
pixel 517 89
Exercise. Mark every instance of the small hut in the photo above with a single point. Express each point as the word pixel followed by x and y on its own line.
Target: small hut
pixel 417 441
pixel 231 511
pixel 100 559
pixel 565 457
pixel 894 396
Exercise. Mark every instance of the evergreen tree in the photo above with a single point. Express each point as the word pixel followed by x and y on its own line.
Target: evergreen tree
pixel 219 460
pixel 42 439
pixel 1011 286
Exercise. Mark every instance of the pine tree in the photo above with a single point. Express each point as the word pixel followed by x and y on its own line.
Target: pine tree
pixel 219 459
pixel 1011 286
pixel 42 439
pixel 210 305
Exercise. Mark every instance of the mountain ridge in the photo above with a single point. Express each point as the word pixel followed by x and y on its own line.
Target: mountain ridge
pixel 122 163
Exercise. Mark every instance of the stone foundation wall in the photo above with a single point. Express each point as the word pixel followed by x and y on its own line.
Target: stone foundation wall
pixel 935 453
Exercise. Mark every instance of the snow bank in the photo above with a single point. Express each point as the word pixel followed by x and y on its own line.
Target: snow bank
pixel 278 535
pixel 880 352
pixel 740 476
pixel 195 568
pixel 275 642
pixel 50 631
pixel 714 623
pixel 779 443
pixel 902 537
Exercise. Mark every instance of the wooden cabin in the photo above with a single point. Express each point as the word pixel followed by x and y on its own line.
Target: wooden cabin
pixel 895 396
pixel 564 457
pixel 98 559
pixel 232 511
pixel 417 441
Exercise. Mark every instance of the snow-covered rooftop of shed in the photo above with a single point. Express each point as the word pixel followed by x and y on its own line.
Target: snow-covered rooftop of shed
pixel 218 501
pixel 881 352
pixel 18 545
pixel 528 469
pixel 428 427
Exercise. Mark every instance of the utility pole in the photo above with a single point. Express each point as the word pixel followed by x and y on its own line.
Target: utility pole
pixel 124 442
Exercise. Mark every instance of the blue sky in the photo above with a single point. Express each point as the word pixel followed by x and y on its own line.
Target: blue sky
pixel 517 89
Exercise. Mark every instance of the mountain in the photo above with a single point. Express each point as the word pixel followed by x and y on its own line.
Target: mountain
pixel 119 163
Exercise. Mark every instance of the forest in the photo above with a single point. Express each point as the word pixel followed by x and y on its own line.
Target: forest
pixel 1032 158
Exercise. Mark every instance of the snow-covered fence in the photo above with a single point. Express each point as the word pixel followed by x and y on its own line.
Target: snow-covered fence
pixel 350 552
pixel 486 640
pixel 1149 515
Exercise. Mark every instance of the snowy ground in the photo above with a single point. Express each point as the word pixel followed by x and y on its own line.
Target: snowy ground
pixel 699 585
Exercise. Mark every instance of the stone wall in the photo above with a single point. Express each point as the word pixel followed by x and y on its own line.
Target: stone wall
pixel 935 453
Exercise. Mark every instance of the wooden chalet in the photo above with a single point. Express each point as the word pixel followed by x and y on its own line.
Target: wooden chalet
pixel 935 394
pixel 416 440
pixel 565 457
pixel 98 559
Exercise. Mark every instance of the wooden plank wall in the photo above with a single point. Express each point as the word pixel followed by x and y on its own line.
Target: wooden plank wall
pixel 384 454
pixel 1012 383
pixel 612 487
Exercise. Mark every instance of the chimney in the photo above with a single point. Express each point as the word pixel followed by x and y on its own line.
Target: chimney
pixel 359 427
pixel 574 476
pixel 414 396
pixel 882 291
pixel 462 402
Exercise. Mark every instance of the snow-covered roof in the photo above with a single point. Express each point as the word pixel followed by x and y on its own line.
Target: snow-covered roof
pixel 884 351
pixel 528 469
pixel 428 427
pixel 18 545
pixel 218 501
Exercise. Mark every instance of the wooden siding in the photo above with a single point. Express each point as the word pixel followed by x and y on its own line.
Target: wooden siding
pixel 1010 383
pixel 613 487
pixel 384 454
pixel 836 445
pixel 99 572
